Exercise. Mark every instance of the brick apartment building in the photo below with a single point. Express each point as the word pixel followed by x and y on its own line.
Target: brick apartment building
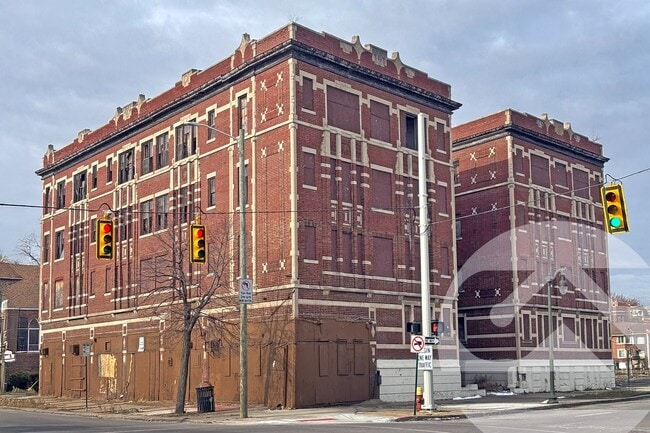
pixel 19 318
pixel 528 212
pixel 333 245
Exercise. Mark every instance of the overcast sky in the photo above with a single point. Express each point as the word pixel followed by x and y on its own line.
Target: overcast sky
pixel 65 66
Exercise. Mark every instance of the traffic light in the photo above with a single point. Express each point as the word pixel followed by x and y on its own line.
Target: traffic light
pixel 437 327
pixel 197 243
pixel 104 239
pixel 614 209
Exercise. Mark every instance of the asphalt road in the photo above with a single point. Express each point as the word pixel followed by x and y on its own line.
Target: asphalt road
pixel 619 417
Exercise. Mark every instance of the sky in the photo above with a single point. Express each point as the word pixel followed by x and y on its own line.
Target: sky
pixel 67 65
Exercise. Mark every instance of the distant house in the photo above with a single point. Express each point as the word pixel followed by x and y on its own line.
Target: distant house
pixel 19 317
pixel 630 337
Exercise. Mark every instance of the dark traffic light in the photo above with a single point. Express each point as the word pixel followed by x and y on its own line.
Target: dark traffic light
pixel 614 209
pixel 104 239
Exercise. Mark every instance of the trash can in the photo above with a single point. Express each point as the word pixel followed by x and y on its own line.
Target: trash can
pixel 205 399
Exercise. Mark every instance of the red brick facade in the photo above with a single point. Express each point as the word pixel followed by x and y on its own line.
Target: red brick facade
pixel 332 241
pixel 528 205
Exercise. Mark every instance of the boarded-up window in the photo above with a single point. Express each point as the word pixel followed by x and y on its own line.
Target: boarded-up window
pixel 343 109
pixel 581 183
pixel 346 183
pixel 441 142
pixel 346 252
pixel 359 253
pixel 518 161
pixel 323 359
pixel 342 361
pixel 382 262
pixel 307 93
pixel 360 357
pixel 335 245
pixel 444 261
pixel 381 190
pixel 310 242
pixel 442 202
pixel 379 121
pixel 561 174
pixel 539 170
pixel 309 169
pixel 334 194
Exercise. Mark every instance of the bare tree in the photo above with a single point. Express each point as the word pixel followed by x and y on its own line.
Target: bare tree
pixel 30 248
pixel 626 300
pixel 189 294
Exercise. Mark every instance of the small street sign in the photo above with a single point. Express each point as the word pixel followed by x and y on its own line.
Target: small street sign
pixel 85 350
pixel 425 359
pixel 245 291
pixel 432 340
pixel 417 343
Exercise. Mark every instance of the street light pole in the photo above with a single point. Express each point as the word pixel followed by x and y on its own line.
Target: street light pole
pixel 551 361
pixel 243 313
pixel 243 319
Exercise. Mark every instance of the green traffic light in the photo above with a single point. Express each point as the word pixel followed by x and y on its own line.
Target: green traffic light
pixel 615 222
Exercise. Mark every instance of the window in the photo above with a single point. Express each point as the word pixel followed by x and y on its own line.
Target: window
pixel 310 169
pixel 58 294
pixel 146 157
pixel 539 170
pixel 212 192
pixel 343 109
pixel 109 170
pixel 79 184
pixel 46 201
pixel 28 331
pixel 183 208
pixel 125 221
pixel 307 93
pixel 185 141
pixel 108 280
pixel 94 177
pixel 526 327
pixel 518 161
pixel 211 122
pixel 146 217
pixel 580 183
pixel 409 131
pixel 382 262
pixel 162 150
pixel 381 190
pixel 310 241
pixel 621 353
pixel 58 252
pixel 459 227
pixel 125 166
pixel 346 252
pixel 162 208
pixel 241 112
pixel 441 142
pixel 60 195
pixel 561 175
pixel 46 248
pixel 379 121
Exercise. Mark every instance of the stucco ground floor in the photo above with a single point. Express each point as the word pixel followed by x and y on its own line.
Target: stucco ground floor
pixel 532 375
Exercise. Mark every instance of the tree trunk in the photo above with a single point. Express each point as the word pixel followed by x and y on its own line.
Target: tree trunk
pixel 184 372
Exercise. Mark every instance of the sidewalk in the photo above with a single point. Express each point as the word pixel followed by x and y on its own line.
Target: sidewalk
pixel 370 411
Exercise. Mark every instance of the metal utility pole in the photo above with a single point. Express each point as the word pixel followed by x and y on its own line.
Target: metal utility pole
pixel 424 254
pixel 2 348
pixel 243 337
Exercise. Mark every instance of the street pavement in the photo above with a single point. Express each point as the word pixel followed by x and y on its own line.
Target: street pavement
pixel 366 412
